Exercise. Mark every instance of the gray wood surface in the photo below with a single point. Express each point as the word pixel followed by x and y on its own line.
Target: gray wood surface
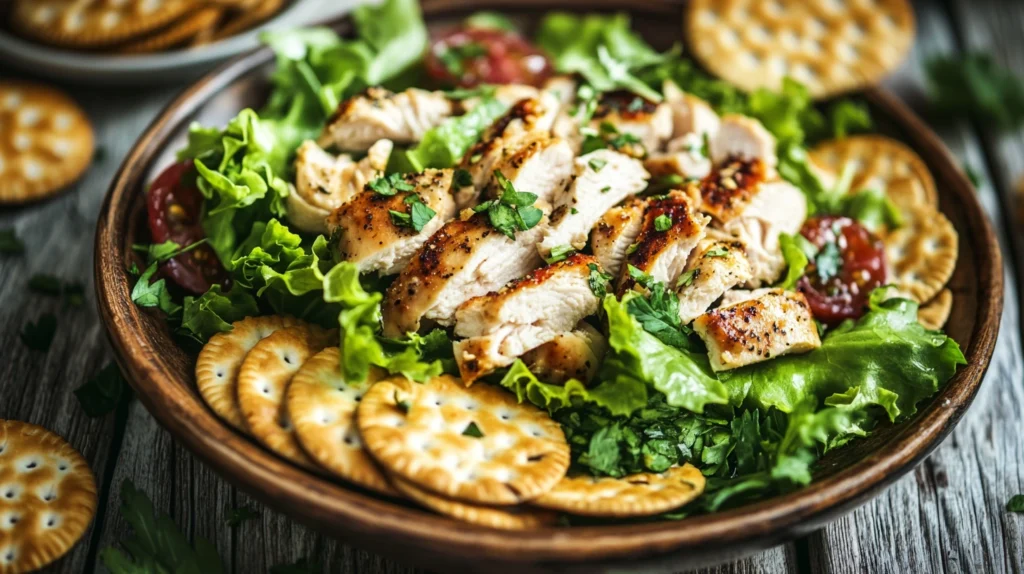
pixel 948 515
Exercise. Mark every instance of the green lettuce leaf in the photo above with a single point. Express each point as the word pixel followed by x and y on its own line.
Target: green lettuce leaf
pixel 445 145
pixel 214 311
pixel 619 396
pixel 798 252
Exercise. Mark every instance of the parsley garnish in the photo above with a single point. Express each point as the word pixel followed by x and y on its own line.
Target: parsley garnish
pixel 390 185
pixel 598 280
pixel 146 294
pixel 573 210
pixel 643 279
pixel 419 214
pixel 827 262
pixel 975 85
pixel 636 105
pixel 103 392
pixel 606 189
pixel 973 175
pixel 632 248
pixel 473 431
pixel 463 178
pixel 234 517
pixel 454 57
pixel 686 279
pixel 160 252
pixel 513 210
pixel 72 291
pixel 597 164
pixel 663 222
pixel 10 244
pixel 717 252
pixel 587 97
pixel 481 91
pixel 1016 504
pixel 39 335
pixel 559 253
pixel 658 313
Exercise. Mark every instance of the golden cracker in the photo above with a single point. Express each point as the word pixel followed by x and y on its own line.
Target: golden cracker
pixel 179 32
pixel 417 432
pixel 922 254
pixel 322 407
pixel 880 163
pixel 46 141
pixel 47 496
pixel 248 18
pixel 218 363
pixel 263 381
pixel 502 518
pixel 934 314
pixel 830 47
pixel 78 24
pixel 642 494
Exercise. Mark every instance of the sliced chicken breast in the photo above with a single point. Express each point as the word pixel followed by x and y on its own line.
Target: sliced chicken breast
pixel 367 233
pixel 507 94
pixel 500 327
pixel 648 121
pixel 671 229
pixel 466 258
pixel 324 182
pixel 734 296
pixel 743 137
pixel 715 267
pixel 601 179
pixel 563 88
pixel 774 324
pixel 615 232
pixel 543 166
pixel 573 355
pixel 378 114
pixel 728 190
pixel 690 114
pixel 684 156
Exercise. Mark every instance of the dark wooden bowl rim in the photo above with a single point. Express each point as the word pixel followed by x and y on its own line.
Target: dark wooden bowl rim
pixel 396 529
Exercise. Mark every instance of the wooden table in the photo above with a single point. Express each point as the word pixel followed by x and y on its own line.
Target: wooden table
pixel 945 516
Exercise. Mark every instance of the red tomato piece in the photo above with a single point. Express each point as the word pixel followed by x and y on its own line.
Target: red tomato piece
pixel 467 57
pixel 850 263
pixel 174 206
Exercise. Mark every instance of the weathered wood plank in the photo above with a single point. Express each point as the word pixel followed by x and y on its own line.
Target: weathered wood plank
pixel 948 516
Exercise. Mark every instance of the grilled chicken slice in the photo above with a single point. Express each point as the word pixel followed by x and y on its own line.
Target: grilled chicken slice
pixel 378 114
pixel 743 137
pixel 324 182
pixel 729 190
pixel 527 120
pixel 615 232
pixel 563 88
pixel 671 229
pixel 466 258
pixel 778 207
pixel 369 236
pixel 507 94
pixel 684 156
pixel 734 296
pixel 648 121
pixel 573 355
pixel 544 167
pixel 715 267
pixel 690 114
pixel 501 326
pixel 601 179
pixel 776 323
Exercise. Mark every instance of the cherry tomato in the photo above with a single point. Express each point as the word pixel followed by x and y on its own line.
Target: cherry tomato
pixel 467 57
pixel 850 263
pixel 174 206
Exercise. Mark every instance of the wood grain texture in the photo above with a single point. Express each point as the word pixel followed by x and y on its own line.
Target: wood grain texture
pixel 949 516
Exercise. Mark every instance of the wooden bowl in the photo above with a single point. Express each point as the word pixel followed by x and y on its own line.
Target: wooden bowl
pixel 162 373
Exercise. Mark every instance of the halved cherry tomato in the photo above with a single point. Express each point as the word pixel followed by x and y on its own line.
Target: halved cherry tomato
pixel 841 290
pixel 174 206
pixel 467 57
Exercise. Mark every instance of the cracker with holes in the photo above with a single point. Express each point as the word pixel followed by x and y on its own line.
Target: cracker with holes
pixel 503 518
pixel 642 494
pixel 46 141
pixel 248 17
pixel 263 380
pixel 879 163
pixel 47 496
pixel 185 30
pixel 829 46
pixel 322 405
pixel 221 357
pixel 473 444
pixel 922 254
pixel 76 24
pixel 934 314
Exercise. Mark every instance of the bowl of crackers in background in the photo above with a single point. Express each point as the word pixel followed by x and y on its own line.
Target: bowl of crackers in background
pixel 135 42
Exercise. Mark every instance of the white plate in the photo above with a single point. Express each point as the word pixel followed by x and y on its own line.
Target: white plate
pixel 162 68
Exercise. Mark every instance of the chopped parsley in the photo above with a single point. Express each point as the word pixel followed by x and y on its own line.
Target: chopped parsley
pixel 390 185
pixel 828 262
pixel 573 210
pixel 463 178
pixel 473 431
pixel 10 244
pixel 609 136
pixel 103 392
pixel 234 517
pixel 1016 504
pixel 73 292
pixel 663 222
pixel 597 164
pixel 632 248
pixel 686 279
pixel 643 279
pixel 418 217
pixel 587 97
pixel 559 253
pixel 454 58
pixel 38 335
pixel 513 211
pixel 606 188
pixel 658 312
pixel 976 85
pixel 598 280
pixel 636 105
pixel 717 252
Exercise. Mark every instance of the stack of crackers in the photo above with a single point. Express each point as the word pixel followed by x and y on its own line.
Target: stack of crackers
pixel 136 26
pixel 471 453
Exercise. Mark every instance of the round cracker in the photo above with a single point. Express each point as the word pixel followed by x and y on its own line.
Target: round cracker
pixel 46 141
pixel 179 32
pixel 263 381
pixel 921 255
pixel 880 163
pixel 77 24
pixel 47 496
pixel 248 18
pixel 507 518
pixel 935 313
pixel 322 407
pixel 218 363
pixel 416 431
pixel 830 47
pixel 643 494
